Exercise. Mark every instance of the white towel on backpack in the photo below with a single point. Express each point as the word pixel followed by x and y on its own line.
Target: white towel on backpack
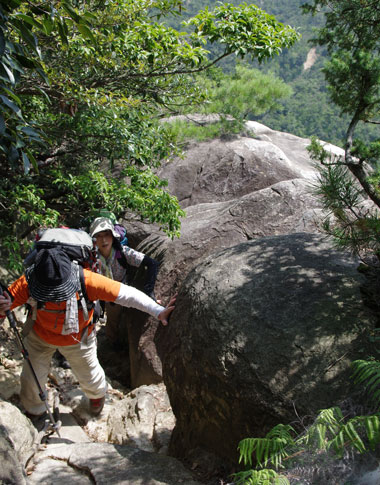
pixel 71 324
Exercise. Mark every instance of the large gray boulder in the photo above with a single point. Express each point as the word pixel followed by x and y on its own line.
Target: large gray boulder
pixel 223 170
pixel 262 332
pixel 233 191
pixel 283 208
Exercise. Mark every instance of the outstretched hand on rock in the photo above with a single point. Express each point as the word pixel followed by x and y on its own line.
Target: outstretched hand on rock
pixel 165 314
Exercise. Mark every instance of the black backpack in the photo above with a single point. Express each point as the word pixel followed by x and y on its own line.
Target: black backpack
pixel 79 247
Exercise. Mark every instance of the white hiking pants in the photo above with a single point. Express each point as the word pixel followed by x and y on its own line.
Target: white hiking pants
pixel 82 359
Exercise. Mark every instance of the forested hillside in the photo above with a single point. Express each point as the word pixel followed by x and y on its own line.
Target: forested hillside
pixel 309 110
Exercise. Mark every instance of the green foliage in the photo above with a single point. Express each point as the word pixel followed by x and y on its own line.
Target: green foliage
pixel 244 94
pixel 349 185
pixel 309 110
pixel 351 36
pixel 19 53
pixel 330 433
pixel 272 448
pixel 188 130
pixel 82 91
pixel 367 373
pixel 353 79
pixel 260 477
pixel 232 99
pixel 244 30
pixel 348 218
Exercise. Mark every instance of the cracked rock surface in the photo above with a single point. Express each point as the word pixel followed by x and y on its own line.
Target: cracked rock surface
pixel 105 463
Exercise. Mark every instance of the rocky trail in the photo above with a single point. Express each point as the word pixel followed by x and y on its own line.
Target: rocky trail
pixel 126 444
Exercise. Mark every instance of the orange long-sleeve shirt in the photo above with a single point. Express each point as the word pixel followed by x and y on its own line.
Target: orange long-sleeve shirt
pixel 48 325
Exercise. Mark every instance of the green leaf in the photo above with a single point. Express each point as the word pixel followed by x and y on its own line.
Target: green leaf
pixel 43 92
pixel 13 63
pixel 13 154
pixel 73 14
pixel 86 32
pixel 2 125
pixel 11 105
pixel 28 36
pixel 20 143
pixel 89 16
pixel 26 162
pixel 26 61
pixel 33 160
pixel 48 26
pixel 2 42
pixel 30 132
pixel 8 72
pixel 62 33
pixel 43 75
pixel 30 20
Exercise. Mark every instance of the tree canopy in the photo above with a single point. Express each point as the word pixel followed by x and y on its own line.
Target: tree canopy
pixel 351 35
pixel 83 85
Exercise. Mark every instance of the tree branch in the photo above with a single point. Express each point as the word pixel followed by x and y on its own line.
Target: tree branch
pixel 150 74
pixel 356 167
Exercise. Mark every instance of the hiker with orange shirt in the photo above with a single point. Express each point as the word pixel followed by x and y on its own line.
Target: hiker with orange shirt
pixel 59 323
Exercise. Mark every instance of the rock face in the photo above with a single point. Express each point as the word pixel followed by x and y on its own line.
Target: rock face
pixel 233 192
pixel 261 331
pixel 217 171
pixel 143 420
pixel 133 433
pixel 104 463
pixel 16 439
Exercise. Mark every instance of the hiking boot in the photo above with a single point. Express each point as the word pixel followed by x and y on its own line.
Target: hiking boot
pixel 96 405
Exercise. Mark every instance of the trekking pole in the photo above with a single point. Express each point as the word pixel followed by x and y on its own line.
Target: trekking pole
pixel 55 424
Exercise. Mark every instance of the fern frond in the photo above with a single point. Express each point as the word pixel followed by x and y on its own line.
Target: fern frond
pixel 246 448
pixel 337 444
pixel 368 373
pixel 349 434
pixel 363 369
pixel 375 397
pixel 372 383
pixel 331 416
pixel 352 434
pixel 328 421
pixel 372 426
pixel 260 477
pixel 282 431
pixel 262 450
pixel 268 449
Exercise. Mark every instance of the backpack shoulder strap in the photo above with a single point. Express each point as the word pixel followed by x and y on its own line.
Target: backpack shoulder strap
pixel 84 297
pixel 120 256
pixel 83 290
